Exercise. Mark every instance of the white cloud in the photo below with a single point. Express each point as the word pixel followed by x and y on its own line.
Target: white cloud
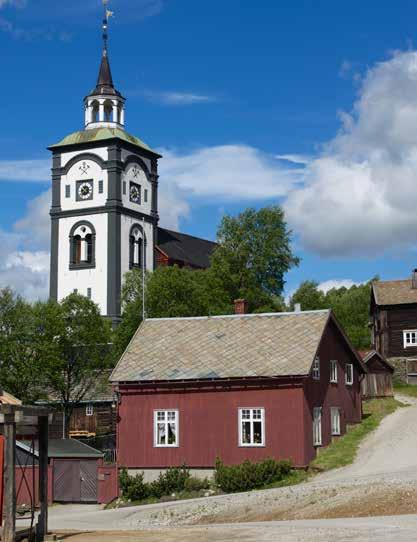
pixel 35 225
pixel 177 98
pixel 14 3
pixel 25 170
pixel 226 172
pixel 359 196
pixel 294 158
pixel 337 283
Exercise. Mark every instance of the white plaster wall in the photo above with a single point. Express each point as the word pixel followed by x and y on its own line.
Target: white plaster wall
pixel 126 154
pixel 94 173
pixel 126 224
pixel 141 180
pixel 101 152
pixel 81 279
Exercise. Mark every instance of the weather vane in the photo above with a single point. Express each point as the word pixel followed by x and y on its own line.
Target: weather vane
pixel 107 15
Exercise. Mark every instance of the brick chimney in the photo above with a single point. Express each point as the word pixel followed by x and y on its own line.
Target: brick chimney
pixel 414 279
pixel 241 306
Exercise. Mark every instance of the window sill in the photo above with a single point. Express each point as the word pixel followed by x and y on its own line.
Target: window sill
pixel 166 446
pixel 349 383
pixel 333 382
pixel 251 445
pixel 77 266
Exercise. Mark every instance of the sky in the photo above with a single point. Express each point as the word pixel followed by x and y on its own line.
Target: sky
pixel 311 105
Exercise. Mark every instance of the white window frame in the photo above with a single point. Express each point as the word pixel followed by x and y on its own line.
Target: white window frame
pixel 155 427
pixel 89 410
pixel 315 371
pixel 251 420
pixel 410 338
pixel 335 421
pixel 317 426
pixel 348 382
pixel 333 371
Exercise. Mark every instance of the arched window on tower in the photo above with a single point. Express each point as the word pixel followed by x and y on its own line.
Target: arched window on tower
pixel 95 111
pixel 82 245
pixel 136 248
pixel 108 111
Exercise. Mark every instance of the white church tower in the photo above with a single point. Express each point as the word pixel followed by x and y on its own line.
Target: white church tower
pixel 104 201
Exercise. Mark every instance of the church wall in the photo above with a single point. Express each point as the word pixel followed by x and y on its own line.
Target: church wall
pixel 126 153
pixel 102 152
pixel 81 279
pixel 126 224
pixel 94 173
pixel 141 180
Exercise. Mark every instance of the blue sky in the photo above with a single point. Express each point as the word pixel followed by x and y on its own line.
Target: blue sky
pixel 311 104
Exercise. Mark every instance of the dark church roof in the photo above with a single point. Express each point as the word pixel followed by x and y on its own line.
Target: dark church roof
pixel 105 80
pixel 186 249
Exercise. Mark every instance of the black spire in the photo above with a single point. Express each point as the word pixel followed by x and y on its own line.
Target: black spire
pixel 105 81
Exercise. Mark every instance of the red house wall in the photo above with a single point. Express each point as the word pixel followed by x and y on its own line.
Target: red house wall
pixel 323 393
pixel 208 426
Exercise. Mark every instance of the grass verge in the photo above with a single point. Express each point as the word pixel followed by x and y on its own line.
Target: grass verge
pixel 342 452
pixel 405 389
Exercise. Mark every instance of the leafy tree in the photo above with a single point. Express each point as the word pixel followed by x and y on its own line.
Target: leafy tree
pixel 350 305
pixel 308 296
pixel 20 356
pixel 253 255
pixel 79 351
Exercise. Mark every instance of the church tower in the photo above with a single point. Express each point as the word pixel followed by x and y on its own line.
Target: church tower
pixel 104 210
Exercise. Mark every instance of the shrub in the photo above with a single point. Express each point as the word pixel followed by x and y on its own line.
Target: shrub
pixel 171 481
pixel 247 475
pixel 133 487
pixel 196 484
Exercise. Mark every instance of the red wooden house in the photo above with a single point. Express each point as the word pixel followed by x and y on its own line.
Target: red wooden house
pixel 236 387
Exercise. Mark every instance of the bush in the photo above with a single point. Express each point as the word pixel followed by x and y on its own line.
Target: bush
pixel 247 475
pixel 173 480
pixel 133 487
pixel 196 484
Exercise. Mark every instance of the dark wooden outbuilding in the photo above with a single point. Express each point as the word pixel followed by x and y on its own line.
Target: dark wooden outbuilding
pixel 237 387
pixel 378 380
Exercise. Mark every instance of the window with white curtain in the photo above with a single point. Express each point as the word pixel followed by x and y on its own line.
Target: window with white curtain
pixel 333 371
pixel 335 420
pixel 317 441
pixel 251 426
pixel 349 374
pixel 166 424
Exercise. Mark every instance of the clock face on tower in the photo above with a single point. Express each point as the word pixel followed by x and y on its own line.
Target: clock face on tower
pixel 84 190
pixel 134 193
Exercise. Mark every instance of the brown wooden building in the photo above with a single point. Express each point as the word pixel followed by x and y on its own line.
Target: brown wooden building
pixel 378 380
pixel 237 387
pixel 394 324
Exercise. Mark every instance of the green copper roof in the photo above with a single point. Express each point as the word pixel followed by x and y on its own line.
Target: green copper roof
pixel 100 134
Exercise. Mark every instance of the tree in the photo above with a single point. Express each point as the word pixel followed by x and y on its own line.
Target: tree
pixel 350 305
pixel 79 351
pixel 253 255
pixel 308 296
pixel 21 357
pixel 169 292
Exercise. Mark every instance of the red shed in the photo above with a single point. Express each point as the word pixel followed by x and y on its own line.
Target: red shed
pixel 236 387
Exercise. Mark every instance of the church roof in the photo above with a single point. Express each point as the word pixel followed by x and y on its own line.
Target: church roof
pixel 105 80
pixel 100 134
pixel 190 250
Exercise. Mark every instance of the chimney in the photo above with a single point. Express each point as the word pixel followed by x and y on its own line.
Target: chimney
pixel 241 306
pixel 414 279
pixel 297 307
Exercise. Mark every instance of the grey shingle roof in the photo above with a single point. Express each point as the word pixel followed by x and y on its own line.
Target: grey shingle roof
pixel 278 344
pixel 394 292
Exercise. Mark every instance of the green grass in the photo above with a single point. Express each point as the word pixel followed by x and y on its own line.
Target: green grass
pixel 342 452
pixel 406 389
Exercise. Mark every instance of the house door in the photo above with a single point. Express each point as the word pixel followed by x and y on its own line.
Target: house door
pixel 75 480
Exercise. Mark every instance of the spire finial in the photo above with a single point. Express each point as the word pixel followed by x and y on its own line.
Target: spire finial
pixel 106 15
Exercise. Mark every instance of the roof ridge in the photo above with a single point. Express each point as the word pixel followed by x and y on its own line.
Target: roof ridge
pixel 188 235
pixel 251 315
